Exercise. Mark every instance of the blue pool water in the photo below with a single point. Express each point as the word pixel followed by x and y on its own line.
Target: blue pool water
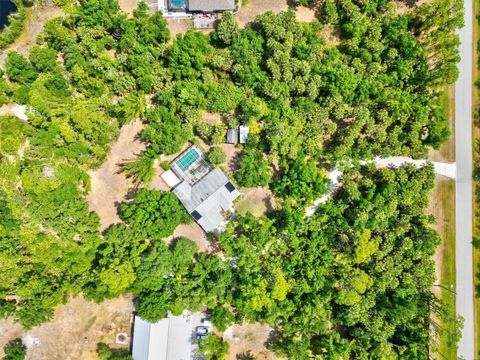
pixel 178 4
pixel 6 8
pixel 188 159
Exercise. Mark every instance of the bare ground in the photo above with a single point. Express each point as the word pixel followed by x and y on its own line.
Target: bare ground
pixel 75 330
pixel 212 118
pixel 8 331
pixel 157 182
pixel 253 8
pixel 233 157
pixel 6 109
pixel 128 6
pixel 179 26
pixel 402 7
pixel 37 16
pixel 249 337
pixel 109 186
pixel 193 232
pixel 305 14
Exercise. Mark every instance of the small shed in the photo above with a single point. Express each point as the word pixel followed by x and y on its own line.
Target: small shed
pixel 232 136
pixel 244 130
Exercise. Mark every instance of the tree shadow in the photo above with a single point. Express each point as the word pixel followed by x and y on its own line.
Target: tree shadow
pixel 268 204
pixel 245 356
pixel 292 4
pixel 273 337
pixel 234 162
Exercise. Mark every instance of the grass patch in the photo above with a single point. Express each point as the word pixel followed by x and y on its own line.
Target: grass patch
pixel 444 209
pixel 476 138
pixel 446 152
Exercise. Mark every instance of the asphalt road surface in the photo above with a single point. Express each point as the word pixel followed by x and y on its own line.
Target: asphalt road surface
pixel 463 147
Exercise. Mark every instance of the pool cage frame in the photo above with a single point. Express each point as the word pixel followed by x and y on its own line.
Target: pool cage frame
pixel 194 171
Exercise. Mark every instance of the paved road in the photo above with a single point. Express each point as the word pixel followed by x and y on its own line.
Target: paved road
pixel 463 147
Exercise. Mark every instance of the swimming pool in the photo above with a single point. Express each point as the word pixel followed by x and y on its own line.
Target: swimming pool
pixel 7 7
pixel 188 159
pixel 177 4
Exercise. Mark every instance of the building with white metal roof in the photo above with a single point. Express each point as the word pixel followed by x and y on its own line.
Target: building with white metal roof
pixel 172 338
pixel 243 133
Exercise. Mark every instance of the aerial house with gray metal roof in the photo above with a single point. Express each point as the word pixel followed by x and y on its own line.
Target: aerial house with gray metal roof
pixel 205 192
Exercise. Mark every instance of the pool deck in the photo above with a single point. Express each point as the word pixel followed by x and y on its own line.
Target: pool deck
pixel 163 7
pixel 194 171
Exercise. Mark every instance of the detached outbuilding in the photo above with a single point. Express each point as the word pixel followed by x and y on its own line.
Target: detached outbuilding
pixel 239 135
pixel 232 136
pixel 172 338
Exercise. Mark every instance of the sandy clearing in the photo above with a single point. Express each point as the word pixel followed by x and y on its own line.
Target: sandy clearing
pixel 8 331
pixel 193 232
pixel 212 118
pixel 78 326
pixel 128 6
pixel 233 157
pixel 20 111
pixel 6 109
pixel 305 14
pixel 75 330
pixel 37 16
pixel 253 8
pixel 158 183
pixel 402 7
pixel 109 187
pixel 179 26
pixel 249 337
pixel 331 35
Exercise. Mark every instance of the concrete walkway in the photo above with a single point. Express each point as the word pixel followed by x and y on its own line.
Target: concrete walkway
pixel 464 200
pixel 444 169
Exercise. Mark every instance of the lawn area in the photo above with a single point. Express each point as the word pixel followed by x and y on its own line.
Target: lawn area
pixel 446 153
pixel 476 138
pixel 443 207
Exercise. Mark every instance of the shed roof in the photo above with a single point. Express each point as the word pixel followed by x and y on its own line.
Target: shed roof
pixel 211 5
pixel 244 130
pixel 232 136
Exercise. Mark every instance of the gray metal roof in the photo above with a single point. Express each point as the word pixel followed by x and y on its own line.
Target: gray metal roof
pixel 202 190
pixel 209 197
pixel 211 5
pixel 232 136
